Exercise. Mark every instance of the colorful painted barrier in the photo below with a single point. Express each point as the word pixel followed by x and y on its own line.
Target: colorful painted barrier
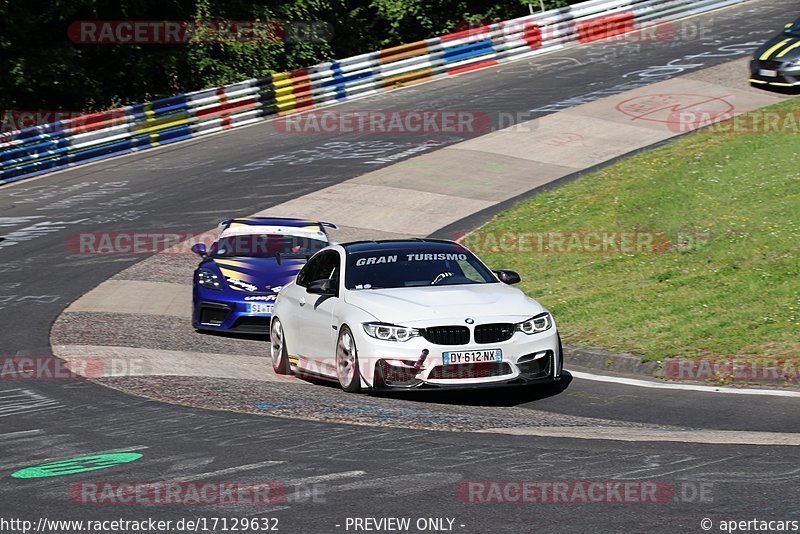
pixel 79 140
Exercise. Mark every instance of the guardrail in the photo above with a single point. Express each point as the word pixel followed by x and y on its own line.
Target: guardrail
pixel 79 140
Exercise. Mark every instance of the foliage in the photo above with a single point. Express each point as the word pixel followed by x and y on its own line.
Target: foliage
pixel 43 69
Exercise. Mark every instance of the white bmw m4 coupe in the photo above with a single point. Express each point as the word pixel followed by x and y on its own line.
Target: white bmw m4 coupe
pixel 419 313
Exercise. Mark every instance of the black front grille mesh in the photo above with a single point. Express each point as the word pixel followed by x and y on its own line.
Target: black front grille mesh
pixel 537 368
pixel 393 375
pixel 493 333
pixel 447 335
pixel 768 64
pixel 252 321
pixel 210 315
pixel 467 370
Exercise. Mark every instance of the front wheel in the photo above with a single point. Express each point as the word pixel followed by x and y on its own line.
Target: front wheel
pixel 278 352
pixel 347 362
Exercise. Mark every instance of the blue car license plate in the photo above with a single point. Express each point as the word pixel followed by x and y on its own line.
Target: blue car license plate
pixel 259 308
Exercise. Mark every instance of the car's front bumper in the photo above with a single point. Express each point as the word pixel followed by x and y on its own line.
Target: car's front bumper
pixel 774 73
pixel 222 313
pixel 422 385
pixel 526 359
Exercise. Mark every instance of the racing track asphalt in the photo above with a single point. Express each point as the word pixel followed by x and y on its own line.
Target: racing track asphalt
pixel 365 471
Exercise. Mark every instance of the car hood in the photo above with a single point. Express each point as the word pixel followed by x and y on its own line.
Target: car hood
pixel 257 275
pixel 788 49
pixel 421 306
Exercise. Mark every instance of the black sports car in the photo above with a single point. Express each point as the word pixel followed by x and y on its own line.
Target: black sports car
pixel 777 62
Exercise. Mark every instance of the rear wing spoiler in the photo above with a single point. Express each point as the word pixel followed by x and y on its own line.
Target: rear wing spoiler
pixel 321 223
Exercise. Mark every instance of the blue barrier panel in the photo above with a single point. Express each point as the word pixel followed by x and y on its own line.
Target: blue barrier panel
pixel 26 152
pixel 459 53
pixel 340 80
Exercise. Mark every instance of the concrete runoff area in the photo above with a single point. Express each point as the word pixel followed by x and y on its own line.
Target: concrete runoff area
pixel 137 297
pixel 775 439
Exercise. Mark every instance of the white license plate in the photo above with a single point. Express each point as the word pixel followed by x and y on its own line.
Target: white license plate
pixel 257 308
pixel 768 73
pixel 472 356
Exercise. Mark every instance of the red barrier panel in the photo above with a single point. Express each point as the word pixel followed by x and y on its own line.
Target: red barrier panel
pixel 478 33
pixel 96 121
pixel 532 34
pixel 474 66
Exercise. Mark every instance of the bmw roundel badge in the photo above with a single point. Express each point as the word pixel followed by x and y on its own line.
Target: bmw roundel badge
pixel 469 320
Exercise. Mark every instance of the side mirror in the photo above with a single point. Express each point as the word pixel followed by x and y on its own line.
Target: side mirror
pixel 507 277
pixel 321 287
pixel 200 250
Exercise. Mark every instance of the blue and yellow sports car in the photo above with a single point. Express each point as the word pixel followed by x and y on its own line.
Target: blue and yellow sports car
pixel 239 277
pixel 777 62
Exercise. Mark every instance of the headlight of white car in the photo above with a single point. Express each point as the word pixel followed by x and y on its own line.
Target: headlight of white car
pixel 536 324
pixel 390 332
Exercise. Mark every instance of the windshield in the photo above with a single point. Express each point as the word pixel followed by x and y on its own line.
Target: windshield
pixel 266 245
pixel 415 267
pixel 793 30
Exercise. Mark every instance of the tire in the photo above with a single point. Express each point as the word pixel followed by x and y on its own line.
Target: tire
pixel 277 349
pixel 347 370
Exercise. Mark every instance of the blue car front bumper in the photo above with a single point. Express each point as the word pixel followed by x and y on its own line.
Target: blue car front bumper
pixel 222 311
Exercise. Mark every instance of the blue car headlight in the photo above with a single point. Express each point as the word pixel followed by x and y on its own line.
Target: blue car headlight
pixel 208 279
pixel 536 324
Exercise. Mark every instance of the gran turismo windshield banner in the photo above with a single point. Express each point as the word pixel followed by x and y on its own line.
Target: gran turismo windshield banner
pixel 414 267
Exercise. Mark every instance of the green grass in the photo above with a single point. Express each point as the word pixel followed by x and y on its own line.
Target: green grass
pixel 726 285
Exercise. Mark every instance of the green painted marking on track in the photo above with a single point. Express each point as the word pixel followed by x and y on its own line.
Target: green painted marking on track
pixel 76 465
